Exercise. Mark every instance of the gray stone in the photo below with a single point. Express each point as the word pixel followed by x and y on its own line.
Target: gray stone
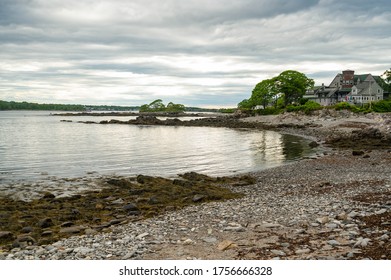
pixel 278 252
pixel 333 242
pixel 381 211
pixel 302 251
pixel 209 239
pixel 130 207
pixel 198 197
pixel 71 230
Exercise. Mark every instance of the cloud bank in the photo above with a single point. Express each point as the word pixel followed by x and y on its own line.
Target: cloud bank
pixel 199 53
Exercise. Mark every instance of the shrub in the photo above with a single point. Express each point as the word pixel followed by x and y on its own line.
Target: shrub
pixel 268 111
pixel 307 108
pixel 383 106
pixel 343 106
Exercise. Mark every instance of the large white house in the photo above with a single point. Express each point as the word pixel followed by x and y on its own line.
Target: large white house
pixel 347 86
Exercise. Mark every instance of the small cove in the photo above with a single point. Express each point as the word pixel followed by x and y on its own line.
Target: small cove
pixel 35 146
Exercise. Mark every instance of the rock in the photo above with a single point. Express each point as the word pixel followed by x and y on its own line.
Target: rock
pixel 26 239
pixel 198 197
pixel 45 223
pixel 353 214
pixel 67 224
pixel 188 242
pixel 331 225
pixel 278 252
pixel 46 233
pixel 118 201
pixel 384 237
pixel 234 228
pixel 271 225
pixel 226 245
pixel 357 153
pixel 323 220
pixel 209 239
pixel 302 251
pixel 342 216
pixel 27 230
pixel 130 207
pixel 313 144
pixel 362 242
pixel 6 235
pixel 141 236
pixel 71 230
pixel 381 211
pixel 48 195
pixel 333 242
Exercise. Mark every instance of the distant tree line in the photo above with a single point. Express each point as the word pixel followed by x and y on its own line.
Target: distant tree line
pixel 12 105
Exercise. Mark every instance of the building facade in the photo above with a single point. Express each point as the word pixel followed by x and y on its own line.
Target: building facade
pixel 349 87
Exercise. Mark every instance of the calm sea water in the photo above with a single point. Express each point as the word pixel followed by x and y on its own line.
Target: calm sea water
pixel 35 144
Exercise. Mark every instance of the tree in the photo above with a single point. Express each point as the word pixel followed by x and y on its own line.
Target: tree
pixel 387 80
pixel 293 85
pixel 264 92
pixel 246 104
pixel 157 105
pixel 172 107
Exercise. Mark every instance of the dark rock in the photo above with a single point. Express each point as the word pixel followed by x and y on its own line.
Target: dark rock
pixel 48 195
pixel 313 144
pixel 45 223
pixel 357 153
pixel 130 207
pixel 183 183
pixel 142 179
pixel 75 212
pixel 6 236
pixel 134 213
pixel 116 221
pixel 27 230
pixel 153 200
pixel 26 239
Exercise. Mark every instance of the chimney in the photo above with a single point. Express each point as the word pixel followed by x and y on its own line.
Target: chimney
pixel 347 78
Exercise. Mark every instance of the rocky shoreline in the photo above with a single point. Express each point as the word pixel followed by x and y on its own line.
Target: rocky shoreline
pixel 334 207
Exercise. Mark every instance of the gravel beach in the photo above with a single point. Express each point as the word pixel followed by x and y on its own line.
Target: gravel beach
pixel 336 205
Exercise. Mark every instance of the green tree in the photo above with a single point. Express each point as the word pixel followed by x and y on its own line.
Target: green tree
pixel 387 80
pixel 264 92
pixel 293 85
pixel 172 107
pixel 246 104
pixel 157 105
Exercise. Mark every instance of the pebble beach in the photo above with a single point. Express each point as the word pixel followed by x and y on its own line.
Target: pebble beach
pixel 336 205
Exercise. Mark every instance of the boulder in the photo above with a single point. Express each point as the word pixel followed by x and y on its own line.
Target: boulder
pixel 45 223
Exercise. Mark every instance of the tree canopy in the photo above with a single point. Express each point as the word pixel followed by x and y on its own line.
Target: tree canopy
pixel 289 85
pixel 158 106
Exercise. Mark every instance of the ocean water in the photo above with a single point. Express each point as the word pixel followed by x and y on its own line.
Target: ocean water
pixel 34 145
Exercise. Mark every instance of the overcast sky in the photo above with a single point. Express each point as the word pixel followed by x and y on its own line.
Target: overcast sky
pixel 207 53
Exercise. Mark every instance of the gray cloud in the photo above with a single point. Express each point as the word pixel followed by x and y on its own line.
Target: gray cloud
pixel 199 52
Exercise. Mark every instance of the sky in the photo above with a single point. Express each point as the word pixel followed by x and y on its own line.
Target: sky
pixel 204 53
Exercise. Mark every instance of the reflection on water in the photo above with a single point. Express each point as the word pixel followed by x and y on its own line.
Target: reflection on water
pixel 34 144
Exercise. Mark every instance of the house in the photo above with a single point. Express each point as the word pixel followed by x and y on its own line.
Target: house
pixel 347 86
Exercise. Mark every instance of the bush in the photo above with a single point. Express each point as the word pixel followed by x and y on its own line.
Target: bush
pixel 343 106
pixel 383 106
pixel 268 111
pixel 307 108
